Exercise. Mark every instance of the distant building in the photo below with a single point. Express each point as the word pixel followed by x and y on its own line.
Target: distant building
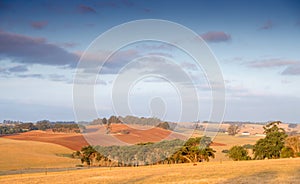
pixel 245 133
pixel 260 135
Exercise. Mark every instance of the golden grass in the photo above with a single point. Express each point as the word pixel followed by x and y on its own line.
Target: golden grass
pixel 17 154
pixel 264 171
pixel 231 141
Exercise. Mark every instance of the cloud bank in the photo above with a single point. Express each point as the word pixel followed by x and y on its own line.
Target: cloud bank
pixel 31 50
pixel 216 36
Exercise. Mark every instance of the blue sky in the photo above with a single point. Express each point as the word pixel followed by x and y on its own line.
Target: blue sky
pixel 256 43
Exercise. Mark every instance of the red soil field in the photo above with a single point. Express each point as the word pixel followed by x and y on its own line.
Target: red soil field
pixel 96 135
pixel 70 140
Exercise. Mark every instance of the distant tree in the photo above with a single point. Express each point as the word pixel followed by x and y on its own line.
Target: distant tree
pixel 270 146
pixel 96 121
pixel 238 153
pixel 233 129
pixel 292 125
pixel 164 125
pixel 114 120
pixel 43 125
pixel 26 126
pixel 104 121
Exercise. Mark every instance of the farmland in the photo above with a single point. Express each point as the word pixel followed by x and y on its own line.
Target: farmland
pixel 262 171
pixel 16 154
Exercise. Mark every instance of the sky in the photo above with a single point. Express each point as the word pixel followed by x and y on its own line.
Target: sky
pixel 256 45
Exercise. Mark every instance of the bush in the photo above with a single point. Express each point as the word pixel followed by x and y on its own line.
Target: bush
pixel 286 152
pixel 248 146
pixel 292 125
pixel 238 153
pixel 225 151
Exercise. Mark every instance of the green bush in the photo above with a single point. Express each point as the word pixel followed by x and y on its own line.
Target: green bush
pixel 238 153
pixel 286 152
pixel 225 151
pixel 248 146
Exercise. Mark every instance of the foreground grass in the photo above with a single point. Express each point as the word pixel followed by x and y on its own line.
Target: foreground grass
pixel 264 171
pixel 17 154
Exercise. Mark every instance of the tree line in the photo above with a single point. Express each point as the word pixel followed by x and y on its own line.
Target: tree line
pixel 19 127
pixel 164 152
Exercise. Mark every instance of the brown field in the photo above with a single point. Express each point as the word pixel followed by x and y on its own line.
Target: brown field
pixel 264 171
pixel 72 141
pixel 95 135
pixel 17 154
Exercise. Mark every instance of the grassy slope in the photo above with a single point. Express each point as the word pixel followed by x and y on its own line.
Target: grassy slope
pixel 264 171
pixel 17 154
pixel 231 141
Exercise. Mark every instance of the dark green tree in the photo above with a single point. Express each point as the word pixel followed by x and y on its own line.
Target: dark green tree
pixel 270 146
pixel 238 153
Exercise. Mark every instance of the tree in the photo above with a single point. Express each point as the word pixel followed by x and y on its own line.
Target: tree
pixel 238 153
pixel 164 125
pixel 195 150
pixel 89 155
pixel 233 129
pixel 293 142
pixel 287 152
pixel 43 125
pixel 270 146
pixel 104 121
pixel 114 120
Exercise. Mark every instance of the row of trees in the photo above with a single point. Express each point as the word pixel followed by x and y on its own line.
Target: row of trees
pixel 275 145
pixel 41 125
pixel 164 152
pixel 132 120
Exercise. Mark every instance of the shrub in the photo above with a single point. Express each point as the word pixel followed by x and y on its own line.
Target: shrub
pixel 238 153
pixel 248 146
pixel 225 151
pixel 286 152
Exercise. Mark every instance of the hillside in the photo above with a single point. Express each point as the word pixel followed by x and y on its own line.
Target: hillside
pixel 96 135
pixel 16 154
pixel 73 141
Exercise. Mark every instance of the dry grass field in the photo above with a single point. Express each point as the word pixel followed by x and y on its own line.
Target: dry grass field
pixel 229 142
pixel 263 171
pixel 17 154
